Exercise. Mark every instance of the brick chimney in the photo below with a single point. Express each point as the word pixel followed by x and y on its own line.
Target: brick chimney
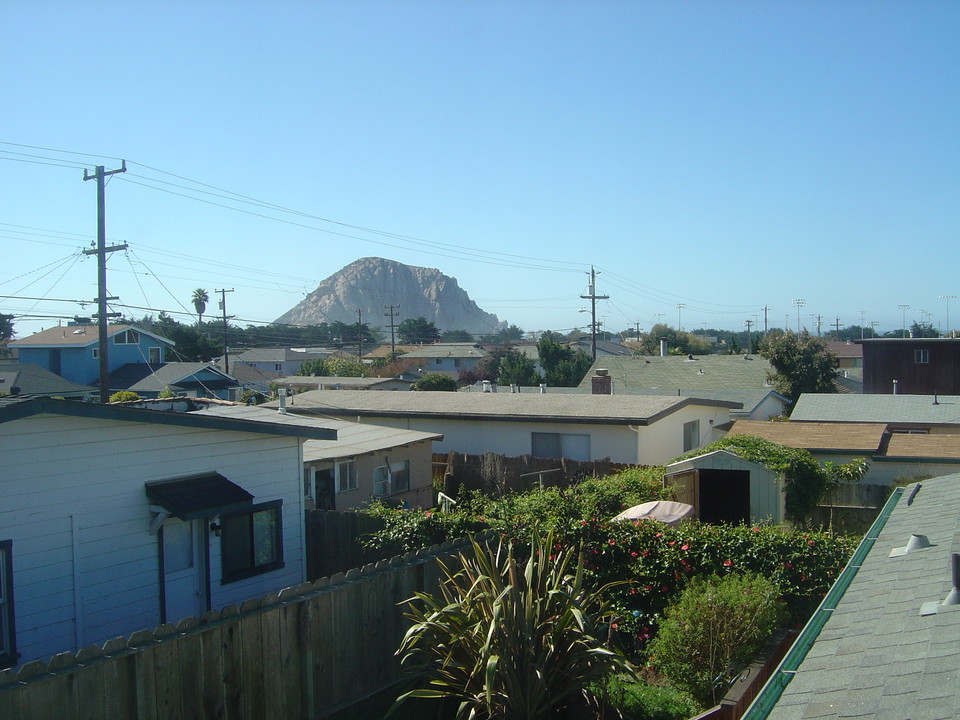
pixel 601 383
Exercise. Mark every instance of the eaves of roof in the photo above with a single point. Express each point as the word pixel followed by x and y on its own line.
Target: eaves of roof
pixel 16 410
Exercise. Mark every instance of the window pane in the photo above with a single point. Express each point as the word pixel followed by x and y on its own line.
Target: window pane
pixel 546 445
pixel 177 545
pixel 265 537
pixel 235 544
pixel 576 447
pixel 381 481
pixel 400 476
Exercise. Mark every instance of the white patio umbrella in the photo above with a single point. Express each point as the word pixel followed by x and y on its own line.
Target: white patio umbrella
pixel 666 511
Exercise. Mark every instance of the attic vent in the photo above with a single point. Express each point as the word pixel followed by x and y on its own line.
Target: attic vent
pixel 916 542
pixel 953 597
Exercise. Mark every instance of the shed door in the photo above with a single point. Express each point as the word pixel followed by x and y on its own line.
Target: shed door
pixel 724 496
pixel 184 569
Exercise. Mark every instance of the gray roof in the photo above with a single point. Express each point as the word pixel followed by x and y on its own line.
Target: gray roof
pixel 580 408
pixel 442 350
pixel 878 656
pixel 35 380
pixel 329 380
pixel 352 438
pixel 676 372
pixel 904 409
pixel 274 355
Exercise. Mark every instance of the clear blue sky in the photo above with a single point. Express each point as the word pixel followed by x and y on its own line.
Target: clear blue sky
pixel 726 156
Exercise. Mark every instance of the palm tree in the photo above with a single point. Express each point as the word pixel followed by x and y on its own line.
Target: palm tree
pixel 200 300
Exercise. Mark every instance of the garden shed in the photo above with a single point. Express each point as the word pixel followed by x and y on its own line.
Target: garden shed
pixel 725 488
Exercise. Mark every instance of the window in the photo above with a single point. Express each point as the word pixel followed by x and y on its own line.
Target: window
pixel 251 542
pixel 277 367
pixel 560 445
pixel 381 481
pixel 921 356
pixel 127 337
pixel 346 475
pixel 96 353
pixel 8 635
pixel 391 479
pixel 691 435
pixel 155 358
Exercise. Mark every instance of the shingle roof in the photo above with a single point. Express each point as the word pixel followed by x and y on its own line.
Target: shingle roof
pixel 275 355
pixel 878 656
pixel 675 372
pixel 905 409
pixel 442 350
pixel 35 380
pixel 577 408
pixel 352 438
pixel 77 336
pixel 932 446
pixel 848 437
pixel 141 377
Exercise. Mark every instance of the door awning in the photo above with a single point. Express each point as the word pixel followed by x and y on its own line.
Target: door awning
pixel 198 496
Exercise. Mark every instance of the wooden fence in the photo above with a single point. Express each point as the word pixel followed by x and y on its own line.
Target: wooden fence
pixel 305 652
pixel 334 542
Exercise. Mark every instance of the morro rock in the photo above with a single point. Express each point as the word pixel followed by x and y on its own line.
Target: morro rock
pixel 371 284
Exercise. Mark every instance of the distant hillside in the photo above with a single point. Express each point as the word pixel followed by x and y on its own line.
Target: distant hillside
pixel 370 284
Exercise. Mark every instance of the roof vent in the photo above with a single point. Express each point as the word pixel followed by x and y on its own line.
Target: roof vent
pixel 953 597
pixel 916 542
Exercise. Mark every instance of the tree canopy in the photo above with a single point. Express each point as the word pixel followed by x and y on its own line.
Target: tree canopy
pixel 562 366
pixel 436 381
pixel 417 330
pixel 200 298
pixel 678 342
pixel 802 363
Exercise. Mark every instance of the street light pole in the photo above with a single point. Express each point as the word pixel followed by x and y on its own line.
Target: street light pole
pixel 948 298
pixel 903 309
pixel 799 302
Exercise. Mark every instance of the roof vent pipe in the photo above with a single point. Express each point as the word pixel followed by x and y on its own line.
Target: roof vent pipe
pixel 953 597
pixel 543 388
pixel 514 388
pixel 282 397
pixel 487 386
pixel 894 387
pixel 935 401
pixel 663 347
pixel 916 542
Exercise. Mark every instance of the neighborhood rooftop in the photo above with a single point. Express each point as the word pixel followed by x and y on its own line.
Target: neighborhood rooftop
pixel 928 409
pixel 678 372
pixel 616 409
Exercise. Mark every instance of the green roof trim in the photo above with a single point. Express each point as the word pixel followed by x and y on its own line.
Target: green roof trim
pixel 770 694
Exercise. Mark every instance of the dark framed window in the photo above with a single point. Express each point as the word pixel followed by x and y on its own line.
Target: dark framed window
pixel 251 542
pixel 154 355
pixel 400 476
pixel 572 446
pixel 346 473
pixel 127 337
pixel 921 356
pixel 691 435
pixel 8 633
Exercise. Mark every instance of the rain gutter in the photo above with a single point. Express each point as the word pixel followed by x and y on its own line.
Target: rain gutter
pixel 770 694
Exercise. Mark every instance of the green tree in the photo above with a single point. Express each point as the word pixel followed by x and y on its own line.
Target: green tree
pixel 678 342
pixel 436 381
pixel 456 336
pixel 509 638
pixel 345 367
pixel 313 368
pixel 515 368
pixel 417 330
pixel 713 631
pixel 6 327
pixel 801 363
pixel 562 366
pixel 505 336
pixel 200 300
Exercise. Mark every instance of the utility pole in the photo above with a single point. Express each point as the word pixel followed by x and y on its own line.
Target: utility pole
pixel 638 331
pixel 765 311
pixel 818 321
pixel 593 297
pixel 392 326
pixel 360 333
pixel 101 252
pixel 838 327
pixel 223 307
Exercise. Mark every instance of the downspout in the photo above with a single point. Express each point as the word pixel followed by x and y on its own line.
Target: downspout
pixel 637 431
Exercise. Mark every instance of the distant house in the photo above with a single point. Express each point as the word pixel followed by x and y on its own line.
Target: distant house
pixel 685 375
pixel 285 361
pixel 848 353
pixel 605 348
pixel 885 643
pixel 445 358
pixel 911 366
pixel 72 352
pixel 25 379
pixel 627 429
pixel 181 378
pixel 116 519
pixel 365 462
pixel 903 413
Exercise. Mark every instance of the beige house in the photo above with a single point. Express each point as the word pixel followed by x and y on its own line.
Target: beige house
pixel 645 430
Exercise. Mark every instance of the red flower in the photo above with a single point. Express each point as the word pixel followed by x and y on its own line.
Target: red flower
pixel 633 554
pixel 727 563
pixel 788 565
pixel 684 547
pixel 611 542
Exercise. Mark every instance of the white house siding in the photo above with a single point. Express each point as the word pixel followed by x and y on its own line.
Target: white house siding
pixel 662 441
pixel 74 505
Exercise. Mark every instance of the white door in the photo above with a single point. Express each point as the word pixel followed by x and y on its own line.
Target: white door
pixel 184 569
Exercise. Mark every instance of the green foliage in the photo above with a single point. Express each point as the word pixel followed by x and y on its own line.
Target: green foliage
pixel 713 631
pixel 332 366
pixel 805 480
pixel 200 300
pixel 166 393
pixel 637 700
pixel 508 638
pixel 562 366
pixel 801 362
pixel 515 368
pixel 190 343
pixel 417 330
pixel 435 381
pixel 678 342
pixel 6 327
pixel 456 336
pixel 313 368
pixel 123 396
pixel 504 336
pixel 407 530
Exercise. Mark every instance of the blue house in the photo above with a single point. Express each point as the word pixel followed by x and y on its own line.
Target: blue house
pixel 136 360
pixel 73 351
